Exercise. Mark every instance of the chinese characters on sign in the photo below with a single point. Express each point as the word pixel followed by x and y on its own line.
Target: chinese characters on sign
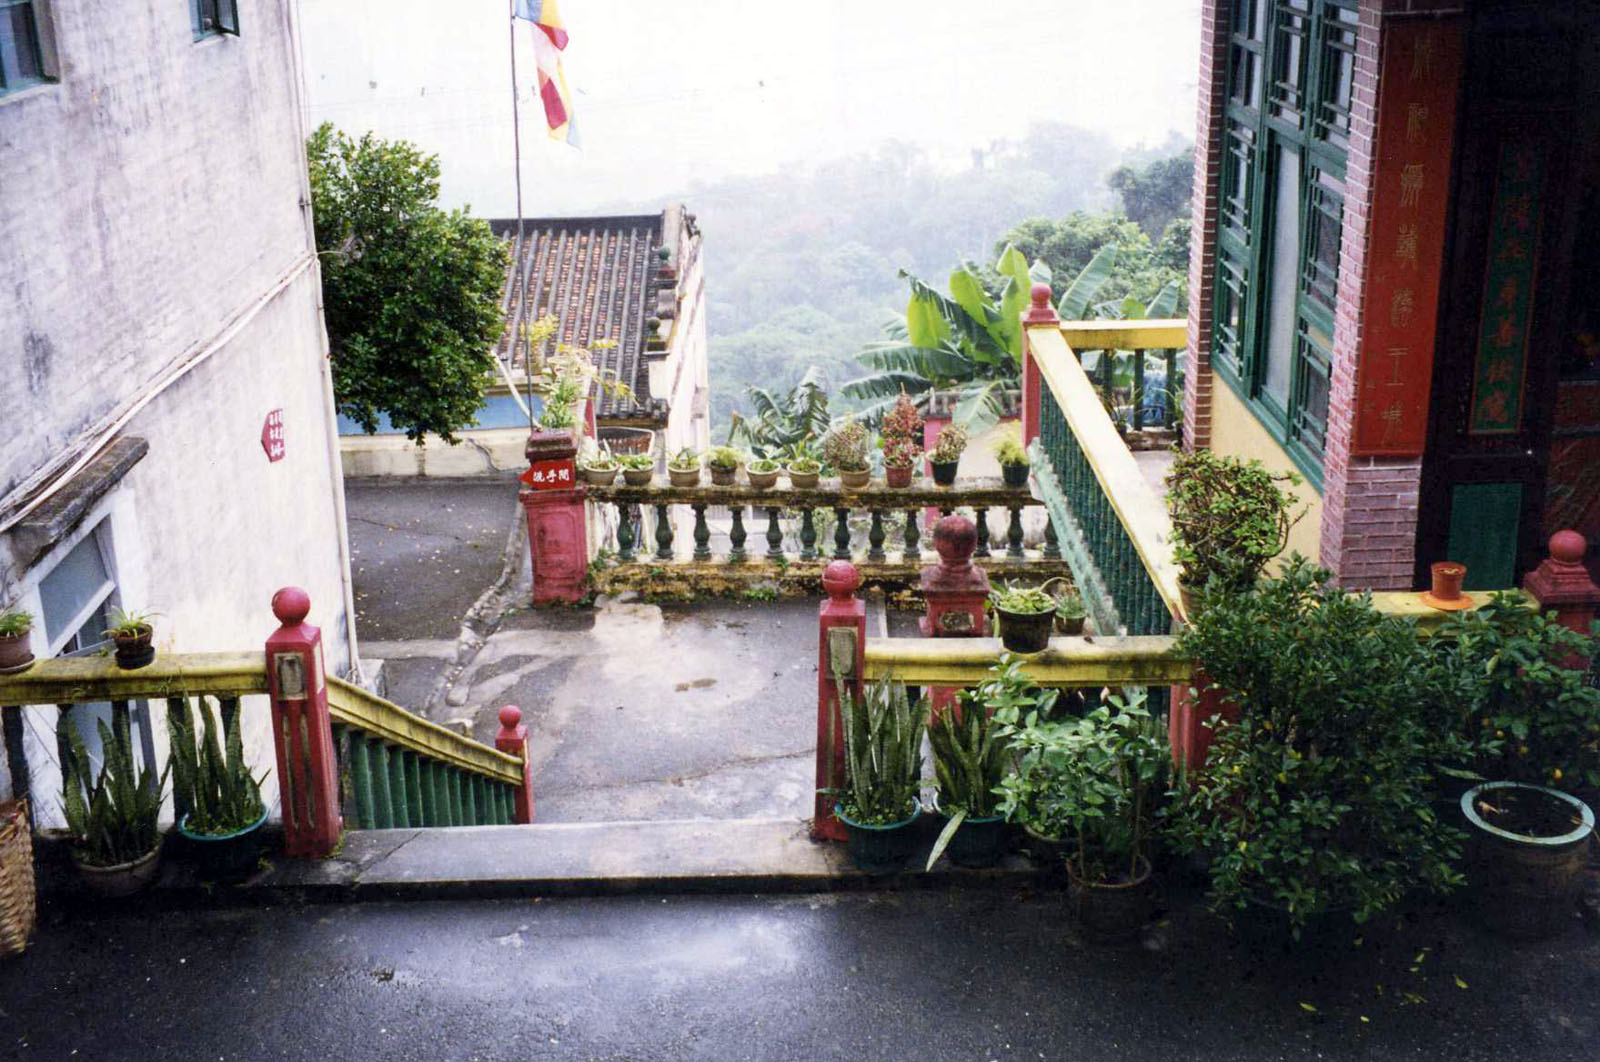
pixel 551 475
pixel 1507 290
pixel 1416 132
pixel 272 436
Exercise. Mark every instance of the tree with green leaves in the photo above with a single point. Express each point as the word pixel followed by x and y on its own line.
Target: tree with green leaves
pixel 1156 194
pixel 411 292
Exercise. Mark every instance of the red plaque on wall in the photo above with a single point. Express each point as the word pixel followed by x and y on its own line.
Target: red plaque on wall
pixel 1417 90
pixel 560 474
pixel 272 436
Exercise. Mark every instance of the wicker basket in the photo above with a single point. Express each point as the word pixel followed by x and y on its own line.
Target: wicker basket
pixel 16 878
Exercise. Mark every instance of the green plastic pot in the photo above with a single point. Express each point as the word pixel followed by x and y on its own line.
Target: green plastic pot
pixel 224 854
pixel 1526 886
pixel 879 849
pixel 979 842
pixel 1014 475
pixel 1025 632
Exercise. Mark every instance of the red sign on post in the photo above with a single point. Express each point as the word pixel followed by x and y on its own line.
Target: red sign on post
pixel 272 436
pixel 1405 255
pixel 560 474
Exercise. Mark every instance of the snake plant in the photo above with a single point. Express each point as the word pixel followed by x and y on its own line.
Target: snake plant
pixel 969 761
pixel 883 751
pixel 112 814
pixel 216 786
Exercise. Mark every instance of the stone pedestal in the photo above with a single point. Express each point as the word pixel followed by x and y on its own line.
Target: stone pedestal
pixel 956 592
pixel 557 532
pixel 841 628
pixel 1562 585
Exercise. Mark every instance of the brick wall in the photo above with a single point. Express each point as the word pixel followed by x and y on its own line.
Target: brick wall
pixel 1203 225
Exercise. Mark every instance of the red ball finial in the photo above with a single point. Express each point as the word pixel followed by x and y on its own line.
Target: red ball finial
pixel 1041 295
pixel 955 538
pixel 291 605
pixel 1568 547
pixel 840 579
pixel 510 717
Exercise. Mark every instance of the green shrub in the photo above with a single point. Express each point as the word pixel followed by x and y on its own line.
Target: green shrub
pixel 1229 517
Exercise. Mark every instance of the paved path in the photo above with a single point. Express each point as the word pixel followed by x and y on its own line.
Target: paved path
pixel 927 976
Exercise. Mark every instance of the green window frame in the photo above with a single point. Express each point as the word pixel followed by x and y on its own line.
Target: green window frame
pixel 213 18
pixel 1286 127
pixel 21 54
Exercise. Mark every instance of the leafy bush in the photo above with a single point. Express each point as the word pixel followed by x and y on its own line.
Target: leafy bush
pixel 112 814
pixel 900 453
pixel 15 622
pixel 1229 517
pixel 882 751
pixel 724 458
pixel 1008 450
pixel 902 434
pixel 1031 600
pixel 845 448
pixel 210 777
pixel 1319 797
pixel 952 441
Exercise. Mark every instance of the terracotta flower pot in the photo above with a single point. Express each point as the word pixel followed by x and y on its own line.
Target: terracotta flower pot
pixel 898 477
pixel 803 480
pixel 134 650
pixel 684 477
pixel 724 477
pixel 600 477
pixel 762 480
pixel 638 477
pixel 1447 579
pixel 14 654
pixel 854 480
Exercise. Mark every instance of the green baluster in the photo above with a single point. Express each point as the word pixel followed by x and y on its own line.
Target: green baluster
pixel 1169 401
pixel 913 537
pixel 841 534
pixel 1138 390
pixel 469 794
pixel 361 780
pixel 875 538
pixel 382 802
pixel 702 534
pixel 663 534
pixel 736 535
pixel 414 788
pixel 808 534
pixel 440 781
pixel 430 794
pixel 458 805
pixel 1014 533
pixel 1052 547
pixel 397 789
pixel 982 520
pixel 774 534
pixel 625 533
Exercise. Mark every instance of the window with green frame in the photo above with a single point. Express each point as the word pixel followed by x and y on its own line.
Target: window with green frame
pixel 21 58
pixel 1285 134
pixel 214 17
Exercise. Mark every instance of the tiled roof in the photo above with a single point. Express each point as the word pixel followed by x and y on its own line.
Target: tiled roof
pixel 598 277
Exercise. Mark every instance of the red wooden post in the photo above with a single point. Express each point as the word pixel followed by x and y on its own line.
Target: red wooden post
pixel 1563 585
pixel 302 731
pixel 955 591
pixel 845 613
pixel 1040 312
pixel 1187 733
pixel 513 738
pixel 557 526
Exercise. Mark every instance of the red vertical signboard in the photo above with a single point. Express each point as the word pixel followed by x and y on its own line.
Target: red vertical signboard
pixel 272 440
pixel 1417 92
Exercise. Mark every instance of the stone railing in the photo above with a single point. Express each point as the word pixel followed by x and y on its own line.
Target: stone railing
pixel 667 539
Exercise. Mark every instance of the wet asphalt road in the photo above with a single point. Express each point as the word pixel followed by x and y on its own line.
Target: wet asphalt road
pixel 860 976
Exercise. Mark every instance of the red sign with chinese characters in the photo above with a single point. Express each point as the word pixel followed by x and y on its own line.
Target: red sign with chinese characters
pixel 272 436
pixel 551 475
pixel 1405 253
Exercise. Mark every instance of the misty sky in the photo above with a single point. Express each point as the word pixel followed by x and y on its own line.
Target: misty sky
pixel 671 94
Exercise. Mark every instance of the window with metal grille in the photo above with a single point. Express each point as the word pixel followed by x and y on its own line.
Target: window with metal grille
pixel 1285 133
pixel 214 17
pixel 21 58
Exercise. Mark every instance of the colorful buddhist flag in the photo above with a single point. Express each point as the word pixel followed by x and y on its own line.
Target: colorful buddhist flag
pixel 549 38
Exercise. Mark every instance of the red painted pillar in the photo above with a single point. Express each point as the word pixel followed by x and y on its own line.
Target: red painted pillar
pixel 955 591
pixel 1040 312
pixel 1563 585
pixel 845 612
pixel 1192 705
pixel 558 534
pixel 513 738
pixel 302 732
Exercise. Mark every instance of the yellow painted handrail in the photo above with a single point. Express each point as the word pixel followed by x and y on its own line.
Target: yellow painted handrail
pixel 1143 660
pixel 1141 512
pixel 84 679
pixel 355 707
pixel 1126 335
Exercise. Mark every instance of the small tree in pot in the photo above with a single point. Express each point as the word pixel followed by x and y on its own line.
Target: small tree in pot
pixel 901 439
pixel 845 451
pixel 883 771
pixel 1230 517
pixel 1013 458
pixel 945 457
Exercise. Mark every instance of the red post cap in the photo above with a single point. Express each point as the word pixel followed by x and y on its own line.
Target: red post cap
pixel 840 579
pixel 291 605
pixel 510 717
pixel 955 538
pixel 1568 546
pixel 1041 312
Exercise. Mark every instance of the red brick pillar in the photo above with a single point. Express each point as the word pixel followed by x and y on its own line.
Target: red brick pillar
pixel 1040 312
pixel 558 533
pixel 846 613
pixel 513 738
pixel 1563 585
pixel 955 591
pixel 302 731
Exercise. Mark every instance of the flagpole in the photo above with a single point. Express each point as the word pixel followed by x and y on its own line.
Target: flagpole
pixel 516 267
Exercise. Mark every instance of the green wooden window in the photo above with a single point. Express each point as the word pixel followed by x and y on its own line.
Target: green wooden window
pixel 1285 133
pixel 21 59
pixel 214 17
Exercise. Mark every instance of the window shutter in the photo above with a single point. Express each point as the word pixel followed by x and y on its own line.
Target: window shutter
pixel 228 16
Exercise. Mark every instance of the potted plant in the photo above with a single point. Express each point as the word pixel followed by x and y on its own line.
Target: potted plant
pixel 883 772
pixel 1030 793
pixel 111 814
pixel 970 757
pixel 803 465
pixel 599 468
pixel 132 633
pixel 684 468
pixel 763 473
pixel 724 462
pixel 945 456
pixel 1013 458
pixel 1108 775
pixel 1527 864
pixel 15 628
pixel 1025 615
pixel 845 451
pixel 1314 803
pixel 637 469
pixel 901 441
pixel 210 779
pixel 1070 613
pixel 1229 518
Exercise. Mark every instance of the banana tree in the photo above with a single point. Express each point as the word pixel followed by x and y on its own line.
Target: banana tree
pixel 783 420
pixel 1114 377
